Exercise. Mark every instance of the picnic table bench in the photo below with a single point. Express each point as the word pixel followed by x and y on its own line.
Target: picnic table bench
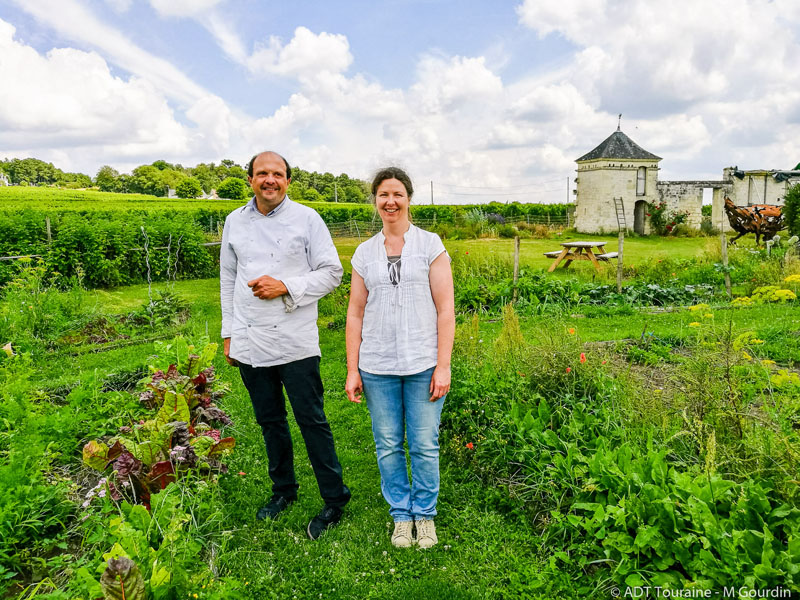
pixel 580 251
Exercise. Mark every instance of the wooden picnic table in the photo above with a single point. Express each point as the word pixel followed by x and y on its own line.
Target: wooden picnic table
pixel 593 251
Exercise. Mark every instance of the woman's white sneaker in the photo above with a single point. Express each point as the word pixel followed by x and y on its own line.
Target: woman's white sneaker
pixel 402 537
pixel 426 533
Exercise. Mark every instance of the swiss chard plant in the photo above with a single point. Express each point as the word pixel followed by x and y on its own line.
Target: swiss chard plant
pixel 182 434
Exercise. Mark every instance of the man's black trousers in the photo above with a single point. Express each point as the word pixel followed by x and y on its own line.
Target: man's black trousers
pixel 303 384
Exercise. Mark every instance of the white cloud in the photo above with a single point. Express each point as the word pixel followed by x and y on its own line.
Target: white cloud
pixel 66 106
pixel 446 84
pixel 74 21
pixel 228 40
pixel 664 60
pixel 285 124
pixel 214 121
pixel 304 56
pixel 69 92
pixel 183 8
pixel 680 133
pixel 697 84
pixel 120 6
pixel 699 79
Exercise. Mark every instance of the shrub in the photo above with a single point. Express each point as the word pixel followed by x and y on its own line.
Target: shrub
pixel 664 222
pixel 189 188
pixel 233 188
pixel 507 231
pixel 33 312
pixel 536 231
pixel 791 210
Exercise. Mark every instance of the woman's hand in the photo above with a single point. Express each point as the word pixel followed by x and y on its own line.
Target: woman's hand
pixel 354 387
pixel 440 382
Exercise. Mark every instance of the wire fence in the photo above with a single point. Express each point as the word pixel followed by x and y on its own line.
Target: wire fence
pixel 364 229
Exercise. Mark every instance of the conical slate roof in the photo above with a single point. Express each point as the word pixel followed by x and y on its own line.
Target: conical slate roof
pixel 619 145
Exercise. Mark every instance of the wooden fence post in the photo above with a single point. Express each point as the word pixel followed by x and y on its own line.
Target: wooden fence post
pixel 724 247
pixel 516 268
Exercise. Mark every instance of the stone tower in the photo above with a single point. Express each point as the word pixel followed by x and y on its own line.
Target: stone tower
pixel 617 168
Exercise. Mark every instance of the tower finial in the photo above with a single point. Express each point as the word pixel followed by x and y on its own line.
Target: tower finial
pixel 619 122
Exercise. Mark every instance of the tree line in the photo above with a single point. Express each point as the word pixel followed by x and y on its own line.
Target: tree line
pixel 227 179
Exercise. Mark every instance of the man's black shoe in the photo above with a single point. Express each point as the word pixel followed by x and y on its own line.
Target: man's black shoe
pixel 276 506
pixel 328 517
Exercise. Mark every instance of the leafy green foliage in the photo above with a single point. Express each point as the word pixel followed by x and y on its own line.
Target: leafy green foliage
pixel 162 545
pixel 40 437
pixel 105 250
pixel 488 286
pixel 649 353
pixel 233 188
pixel 189 188
pixel 311 186
pixel 663 221
pixel 658 525
pixel 33 312
pixel 147 180
pixel 621 498
pixel 181 435
pixel 122 580
pixel 107 179
pixel 31 171
pixel 791 210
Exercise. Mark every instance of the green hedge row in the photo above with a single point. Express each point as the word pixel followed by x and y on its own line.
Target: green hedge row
pixel 105 252
pixel 102 244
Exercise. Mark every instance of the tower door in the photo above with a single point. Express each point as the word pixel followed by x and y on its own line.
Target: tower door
pixel 639 214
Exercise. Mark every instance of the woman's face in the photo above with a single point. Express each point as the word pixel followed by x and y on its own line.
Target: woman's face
pixel 391 200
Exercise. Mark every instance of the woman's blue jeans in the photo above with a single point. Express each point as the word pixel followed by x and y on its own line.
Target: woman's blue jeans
pixel 400 407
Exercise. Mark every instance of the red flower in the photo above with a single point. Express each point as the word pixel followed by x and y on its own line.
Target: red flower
pixel 470 446
pixel 467 252
pixel 603 362
pixel 569 369
pixel 571 330
pixel 242 473
pixel 583 357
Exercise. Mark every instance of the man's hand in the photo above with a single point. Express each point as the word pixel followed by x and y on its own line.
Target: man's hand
pixel 226 350
pixel 267 288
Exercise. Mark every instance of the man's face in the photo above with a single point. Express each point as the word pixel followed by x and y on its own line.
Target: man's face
pixel 269 180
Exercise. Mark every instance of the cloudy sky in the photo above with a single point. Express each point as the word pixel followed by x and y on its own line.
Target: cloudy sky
pixel 488 97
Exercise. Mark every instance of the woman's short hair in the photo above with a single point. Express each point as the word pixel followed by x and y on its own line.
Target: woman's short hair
pixel 392 173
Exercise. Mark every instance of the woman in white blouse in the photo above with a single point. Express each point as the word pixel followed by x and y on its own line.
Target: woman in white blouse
pixel 400 327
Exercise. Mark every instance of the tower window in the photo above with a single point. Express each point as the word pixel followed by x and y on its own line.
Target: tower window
pixel 641 178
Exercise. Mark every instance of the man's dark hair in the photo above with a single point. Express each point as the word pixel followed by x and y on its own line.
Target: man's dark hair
pixel 392 173
pixel 285 162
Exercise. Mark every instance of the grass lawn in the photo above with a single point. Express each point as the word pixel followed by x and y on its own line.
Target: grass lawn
pixel 637 250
